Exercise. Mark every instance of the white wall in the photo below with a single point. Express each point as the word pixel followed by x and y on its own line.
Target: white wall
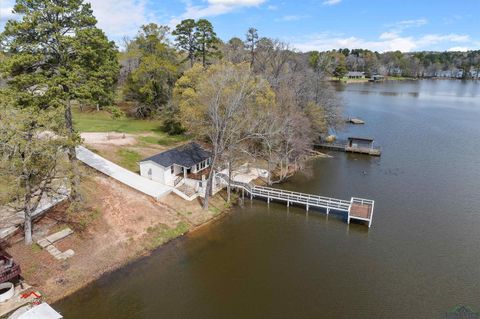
pixel 157 172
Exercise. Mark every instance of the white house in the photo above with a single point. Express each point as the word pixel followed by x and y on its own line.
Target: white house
pixel 186 164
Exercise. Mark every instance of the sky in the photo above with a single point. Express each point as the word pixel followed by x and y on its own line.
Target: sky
pixel 380 25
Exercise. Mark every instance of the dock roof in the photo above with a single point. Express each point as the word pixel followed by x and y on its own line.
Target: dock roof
pixel 361 138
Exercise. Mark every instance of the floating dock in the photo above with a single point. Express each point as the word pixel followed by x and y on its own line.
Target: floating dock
pixel 357 208
pixel 355 121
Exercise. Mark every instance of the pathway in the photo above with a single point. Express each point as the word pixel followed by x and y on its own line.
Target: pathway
pixel 135 181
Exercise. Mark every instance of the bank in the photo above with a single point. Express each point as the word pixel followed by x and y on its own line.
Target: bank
pixel 114 226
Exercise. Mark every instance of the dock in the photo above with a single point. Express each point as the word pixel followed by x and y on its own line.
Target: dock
pixel 361 145
pixel 356 208
pixel 353 120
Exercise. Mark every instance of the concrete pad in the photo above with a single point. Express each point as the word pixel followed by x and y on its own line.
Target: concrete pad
pixel 66 254
pixel 59 235
pixel 44 243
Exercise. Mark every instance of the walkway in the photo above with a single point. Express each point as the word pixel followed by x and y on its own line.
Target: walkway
pixel 135 181
pixel 357 208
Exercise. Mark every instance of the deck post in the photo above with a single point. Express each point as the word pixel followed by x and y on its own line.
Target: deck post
pixel 288 203
pixel 328 211
pixel 268 200
pixel 243 194
pixel 307 207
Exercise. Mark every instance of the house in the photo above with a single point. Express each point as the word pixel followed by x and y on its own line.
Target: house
pixel 376 77
pixel 355 75
pixel 186 162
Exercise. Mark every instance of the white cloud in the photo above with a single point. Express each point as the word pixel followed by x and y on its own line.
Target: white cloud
pixel 6 8
pixel 387 41
pixel 291 18
pixel 214 8
pixel 121 17
pixel 331 2
pixel 457 49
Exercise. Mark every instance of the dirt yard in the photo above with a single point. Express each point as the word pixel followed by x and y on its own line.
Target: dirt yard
pixel 114 226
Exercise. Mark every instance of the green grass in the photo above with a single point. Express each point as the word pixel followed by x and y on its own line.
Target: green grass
pixel 162 233
pixel 129 159
pixel 161 138
pixel 103 122
pixel 92 121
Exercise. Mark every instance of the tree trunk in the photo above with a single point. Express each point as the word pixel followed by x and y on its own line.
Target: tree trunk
pixel 72 156
pixel 208 189
pixel 27 226
pixel 98 106
pixel 229 187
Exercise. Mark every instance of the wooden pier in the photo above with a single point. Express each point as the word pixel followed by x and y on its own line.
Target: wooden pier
pixel 359 145
pixel 356 209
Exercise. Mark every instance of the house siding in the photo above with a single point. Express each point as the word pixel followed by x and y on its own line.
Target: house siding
pixel 154 172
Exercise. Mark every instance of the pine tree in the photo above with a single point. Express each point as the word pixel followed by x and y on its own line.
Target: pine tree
pixel 56 55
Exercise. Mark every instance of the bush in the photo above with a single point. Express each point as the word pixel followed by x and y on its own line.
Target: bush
pixel 115 112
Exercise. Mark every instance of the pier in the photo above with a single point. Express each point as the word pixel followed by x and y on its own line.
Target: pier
pixel 361 145
pixel 357 208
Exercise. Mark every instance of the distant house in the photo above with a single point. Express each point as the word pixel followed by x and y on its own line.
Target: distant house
pixel 355 75
pixel 186 162
pixel 376 77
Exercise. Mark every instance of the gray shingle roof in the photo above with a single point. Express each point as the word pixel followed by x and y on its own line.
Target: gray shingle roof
pixel 186 155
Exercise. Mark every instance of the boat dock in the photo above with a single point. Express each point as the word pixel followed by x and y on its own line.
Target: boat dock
pixel 361 145
pixel 356 209
pixel 354 120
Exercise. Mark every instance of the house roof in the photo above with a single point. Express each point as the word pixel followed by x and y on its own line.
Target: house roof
pixel 186 155
pixel 355 73
pixel 361 138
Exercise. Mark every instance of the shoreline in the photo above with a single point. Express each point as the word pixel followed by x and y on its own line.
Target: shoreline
pixel 106 245
pixel 138 258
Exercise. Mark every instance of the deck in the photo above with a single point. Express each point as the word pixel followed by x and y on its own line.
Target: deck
pixel 356 209
pixel 343 147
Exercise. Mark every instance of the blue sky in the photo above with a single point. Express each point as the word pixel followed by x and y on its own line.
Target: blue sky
pixel 383 25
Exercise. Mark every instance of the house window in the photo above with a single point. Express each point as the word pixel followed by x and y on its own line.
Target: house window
pixel 172 169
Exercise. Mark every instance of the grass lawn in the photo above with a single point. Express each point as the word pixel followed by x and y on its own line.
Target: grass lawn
pixel 129 159
pixel 102 122
pixel 93 121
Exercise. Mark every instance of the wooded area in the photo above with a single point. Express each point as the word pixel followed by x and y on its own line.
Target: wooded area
pixel 251 99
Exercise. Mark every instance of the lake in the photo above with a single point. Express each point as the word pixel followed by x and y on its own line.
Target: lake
pixel 420 258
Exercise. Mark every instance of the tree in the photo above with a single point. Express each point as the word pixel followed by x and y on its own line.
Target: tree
pixel 207 41
pixel 185 38
pixel 221 106
pixel 251 43
pixel 234 50
pixel 341 68
pixel 31 157
pixel 56 54
pixel 150 85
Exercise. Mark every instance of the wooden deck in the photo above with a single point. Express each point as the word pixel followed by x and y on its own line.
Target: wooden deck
pixel 356 209
pixel 342 147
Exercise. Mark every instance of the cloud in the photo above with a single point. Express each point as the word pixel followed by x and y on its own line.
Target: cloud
pixel 214 8
pixel 291 18
pixel 6 8
pixel 331 2
pixel 387 41
pixel 461 49
pixel 121 17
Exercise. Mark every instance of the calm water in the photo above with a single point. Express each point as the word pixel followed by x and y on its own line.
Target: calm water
pixel 420 258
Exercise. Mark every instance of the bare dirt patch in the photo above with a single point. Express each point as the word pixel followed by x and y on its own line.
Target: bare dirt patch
pixel 114 226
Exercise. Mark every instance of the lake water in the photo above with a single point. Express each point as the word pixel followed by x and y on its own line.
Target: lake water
pixel 420 258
